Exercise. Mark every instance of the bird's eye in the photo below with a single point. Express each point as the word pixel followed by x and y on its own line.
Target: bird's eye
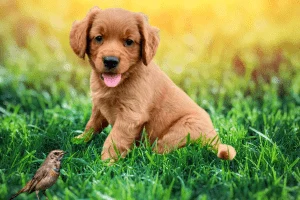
pixel 56 153
pixel 128 42
pixel 99 39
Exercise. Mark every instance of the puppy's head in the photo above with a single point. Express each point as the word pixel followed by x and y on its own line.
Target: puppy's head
pixel 116 41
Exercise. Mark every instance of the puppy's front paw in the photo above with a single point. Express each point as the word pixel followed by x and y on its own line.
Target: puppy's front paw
pixel 84 137
pixel 108 161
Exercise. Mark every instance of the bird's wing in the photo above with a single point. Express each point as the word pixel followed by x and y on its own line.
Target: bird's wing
pixel 41 173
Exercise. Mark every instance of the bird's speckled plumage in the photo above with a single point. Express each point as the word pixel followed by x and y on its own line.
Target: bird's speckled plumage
pixel 45 176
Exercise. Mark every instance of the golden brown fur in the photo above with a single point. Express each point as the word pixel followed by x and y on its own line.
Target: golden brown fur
pixel 145 96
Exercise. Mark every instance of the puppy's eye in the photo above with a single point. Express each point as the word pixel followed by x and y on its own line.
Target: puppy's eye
pixel 128 42
pixel 99 39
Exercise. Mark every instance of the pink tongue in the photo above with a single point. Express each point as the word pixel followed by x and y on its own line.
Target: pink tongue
pixel 111 80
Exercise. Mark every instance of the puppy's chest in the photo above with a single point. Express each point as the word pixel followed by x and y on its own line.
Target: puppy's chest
pixel 112 104
pixel 110 107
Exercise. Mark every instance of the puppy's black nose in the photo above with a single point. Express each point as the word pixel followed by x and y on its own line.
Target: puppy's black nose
pixel 110 62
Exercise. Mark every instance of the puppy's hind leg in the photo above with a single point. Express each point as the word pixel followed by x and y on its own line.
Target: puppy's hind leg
pixel 197 128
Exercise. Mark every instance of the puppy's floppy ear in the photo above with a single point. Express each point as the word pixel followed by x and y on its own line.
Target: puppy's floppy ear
pixel 80 31
pixel 150 38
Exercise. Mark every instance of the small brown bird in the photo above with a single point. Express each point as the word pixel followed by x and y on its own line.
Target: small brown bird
pixel 45 176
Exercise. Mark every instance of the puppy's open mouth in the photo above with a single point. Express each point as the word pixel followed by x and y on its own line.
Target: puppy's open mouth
pixel 111 80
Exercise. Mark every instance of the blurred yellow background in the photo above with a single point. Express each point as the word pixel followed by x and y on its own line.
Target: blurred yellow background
pixel 199 39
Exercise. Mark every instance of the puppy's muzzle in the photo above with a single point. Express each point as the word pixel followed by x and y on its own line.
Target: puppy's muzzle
pixel 110 62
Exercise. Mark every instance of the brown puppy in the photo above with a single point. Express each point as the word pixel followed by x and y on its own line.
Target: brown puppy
pixel 130 92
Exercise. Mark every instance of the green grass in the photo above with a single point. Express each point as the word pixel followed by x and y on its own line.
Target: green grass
pixel 37 117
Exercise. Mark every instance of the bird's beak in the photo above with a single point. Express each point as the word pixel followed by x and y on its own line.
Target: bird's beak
pixel 62 155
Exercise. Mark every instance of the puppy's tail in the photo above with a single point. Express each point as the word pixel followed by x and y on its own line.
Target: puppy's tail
pixel 226 152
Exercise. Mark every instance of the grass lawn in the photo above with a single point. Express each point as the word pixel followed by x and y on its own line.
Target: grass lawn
pixel 36 119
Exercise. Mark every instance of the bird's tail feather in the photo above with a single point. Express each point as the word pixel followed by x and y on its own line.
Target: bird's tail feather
pixel 15 195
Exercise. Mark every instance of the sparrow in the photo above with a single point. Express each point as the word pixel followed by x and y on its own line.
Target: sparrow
pixel 45 176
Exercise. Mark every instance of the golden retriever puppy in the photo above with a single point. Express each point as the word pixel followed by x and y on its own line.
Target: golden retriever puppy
pixel 130 91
